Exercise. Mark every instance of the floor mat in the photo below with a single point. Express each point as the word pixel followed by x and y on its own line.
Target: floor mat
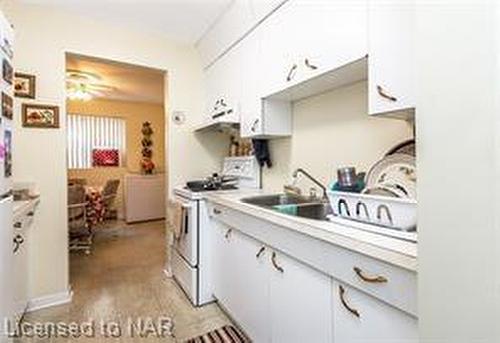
pixel 225 334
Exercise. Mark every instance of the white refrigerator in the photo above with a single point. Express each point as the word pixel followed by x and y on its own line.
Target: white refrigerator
pixel 6 198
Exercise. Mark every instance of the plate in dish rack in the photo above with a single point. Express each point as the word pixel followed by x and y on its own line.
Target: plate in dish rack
pixel 396 169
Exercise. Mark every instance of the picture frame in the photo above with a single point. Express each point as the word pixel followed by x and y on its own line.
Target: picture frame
pixel 7 106
pixel 24 85
pixel 40 116
pixel 7 153
pixel 7 71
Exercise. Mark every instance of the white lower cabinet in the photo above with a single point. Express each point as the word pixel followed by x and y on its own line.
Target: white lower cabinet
pixel 21 263
pixel 240 281
pixel 276 298
pixel 273 297
pixel 360 318
pixel 300 302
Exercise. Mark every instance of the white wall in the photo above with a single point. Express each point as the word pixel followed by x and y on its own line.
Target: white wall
pixel 42 38
pixel 457 122
pixel 332 130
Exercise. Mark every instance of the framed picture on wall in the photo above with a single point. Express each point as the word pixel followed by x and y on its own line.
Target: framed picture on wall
pixel 7 72
pixel 7 137
pixel 7 106
pixel 40 116
pixel 24 85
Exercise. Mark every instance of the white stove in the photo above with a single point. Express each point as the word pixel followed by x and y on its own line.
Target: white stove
pixel 190 253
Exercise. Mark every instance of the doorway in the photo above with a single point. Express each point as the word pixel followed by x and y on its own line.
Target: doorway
pixel 116 155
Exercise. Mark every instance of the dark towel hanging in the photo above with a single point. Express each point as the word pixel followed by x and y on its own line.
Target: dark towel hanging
pixel 261 149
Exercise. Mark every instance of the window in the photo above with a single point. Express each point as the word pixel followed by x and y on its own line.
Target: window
pixel 95 141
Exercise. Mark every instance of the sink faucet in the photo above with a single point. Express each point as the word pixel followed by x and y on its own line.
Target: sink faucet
pixel 310 177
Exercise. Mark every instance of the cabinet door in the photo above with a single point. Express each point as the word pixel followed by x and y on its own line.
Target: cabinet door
pixel 278 60
pixel 391 56
pixel 258 117
pixel 240 280
pixel 222 88
pixel 332 33
pixel 212 91
pixel 250 95
pixel 252 309
pixel 300 299
pixel 224 266
pixel 305 38
pixel 20 272
pixel 359 318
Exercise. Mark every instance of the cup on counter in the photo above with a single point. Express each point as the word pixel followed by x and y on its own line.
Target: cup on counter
pixel 346 177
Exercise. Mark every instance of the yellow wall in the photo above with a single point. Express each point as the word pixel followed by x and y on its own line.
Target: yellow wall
pixel 135 113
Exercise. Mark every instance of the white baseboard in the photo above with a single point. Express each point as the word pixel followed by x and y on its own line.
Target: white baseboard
pixel 50 300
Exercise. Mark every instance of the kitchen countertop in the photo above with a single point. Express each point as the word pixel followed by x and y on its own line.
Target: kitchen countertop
pixel 22 206
pixel 395 251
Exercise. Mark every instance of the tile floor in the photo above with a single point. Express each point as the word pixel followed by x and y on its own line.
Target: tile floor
pixel 123 279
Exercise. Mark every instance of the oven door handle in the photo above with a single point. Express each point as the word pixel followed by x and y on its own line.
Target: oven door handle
pixel 185 220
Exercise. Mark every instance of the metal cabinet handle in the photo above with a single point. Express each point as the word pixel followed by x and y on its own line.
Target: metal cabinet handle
pixel 388 213
pixel 344 302
pixel 260 252
pixel 291 73
pixel 309 65
pixel 18 225
pixel 254 125
pixel 216 106
pixel 383 94
pixel 371 279
pixel 18 241
pixel 228 233
pixel 30 214
pixel 275 264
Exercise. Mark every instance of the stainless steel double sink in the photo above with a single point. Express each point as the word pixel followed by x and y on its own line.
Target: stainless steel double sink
pixel 294 205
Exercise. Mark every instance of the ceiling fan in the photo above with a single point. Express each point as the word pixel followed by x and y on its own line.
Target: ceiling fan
pixel 82 85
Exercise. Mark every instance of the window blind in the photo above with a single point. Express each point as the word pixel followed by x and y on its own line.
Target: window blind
pixel 86 133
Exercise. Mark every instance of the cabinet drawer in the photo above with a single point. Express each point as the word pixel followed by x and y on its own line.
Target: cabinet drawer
pixel 358 317
pixel 396 286
pixel 391 284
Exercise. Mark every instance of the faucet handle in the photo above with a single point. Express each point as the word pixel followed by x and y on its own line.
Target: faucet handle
pixel 290 189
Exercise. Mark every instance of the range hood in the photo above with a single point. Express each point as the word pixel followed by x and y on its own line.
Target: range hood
pixel 221 126
pixel 223 118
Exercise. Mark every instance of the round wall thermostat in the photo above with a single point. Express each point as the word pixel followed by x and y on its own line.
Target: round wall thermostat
pixel 179 117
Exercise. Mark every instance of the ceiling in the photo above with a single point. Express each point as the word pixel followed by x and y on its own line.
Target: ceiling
pixel 182 20
pixel 126 82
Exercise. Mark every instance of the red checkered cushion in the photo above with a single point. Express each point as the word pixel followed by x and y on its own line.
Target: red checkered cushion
pixel 105 158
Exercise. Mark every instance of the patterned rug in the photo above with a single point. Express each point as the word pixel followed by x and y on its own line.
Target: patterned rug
pixel 225 334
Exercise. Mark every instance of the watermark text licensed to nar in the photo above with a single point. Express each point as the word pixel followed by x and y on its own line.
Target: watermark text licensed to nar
pixel 143 327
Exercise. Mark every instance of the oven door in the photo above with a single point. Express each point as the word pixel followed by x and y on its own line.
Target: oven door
pixel 187 244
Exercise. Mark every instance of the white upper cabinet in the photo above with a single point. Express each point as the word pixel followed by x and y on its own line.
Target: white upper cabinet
pixel 358 317
pixel 237 20
pixel 258 117
pixel 222 90
pixel 391 67
pixel 307 38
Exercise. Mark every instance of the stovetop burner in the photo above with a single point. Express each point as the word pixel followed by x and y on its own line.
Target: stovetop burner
pixel 202 188
pixel 212 183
